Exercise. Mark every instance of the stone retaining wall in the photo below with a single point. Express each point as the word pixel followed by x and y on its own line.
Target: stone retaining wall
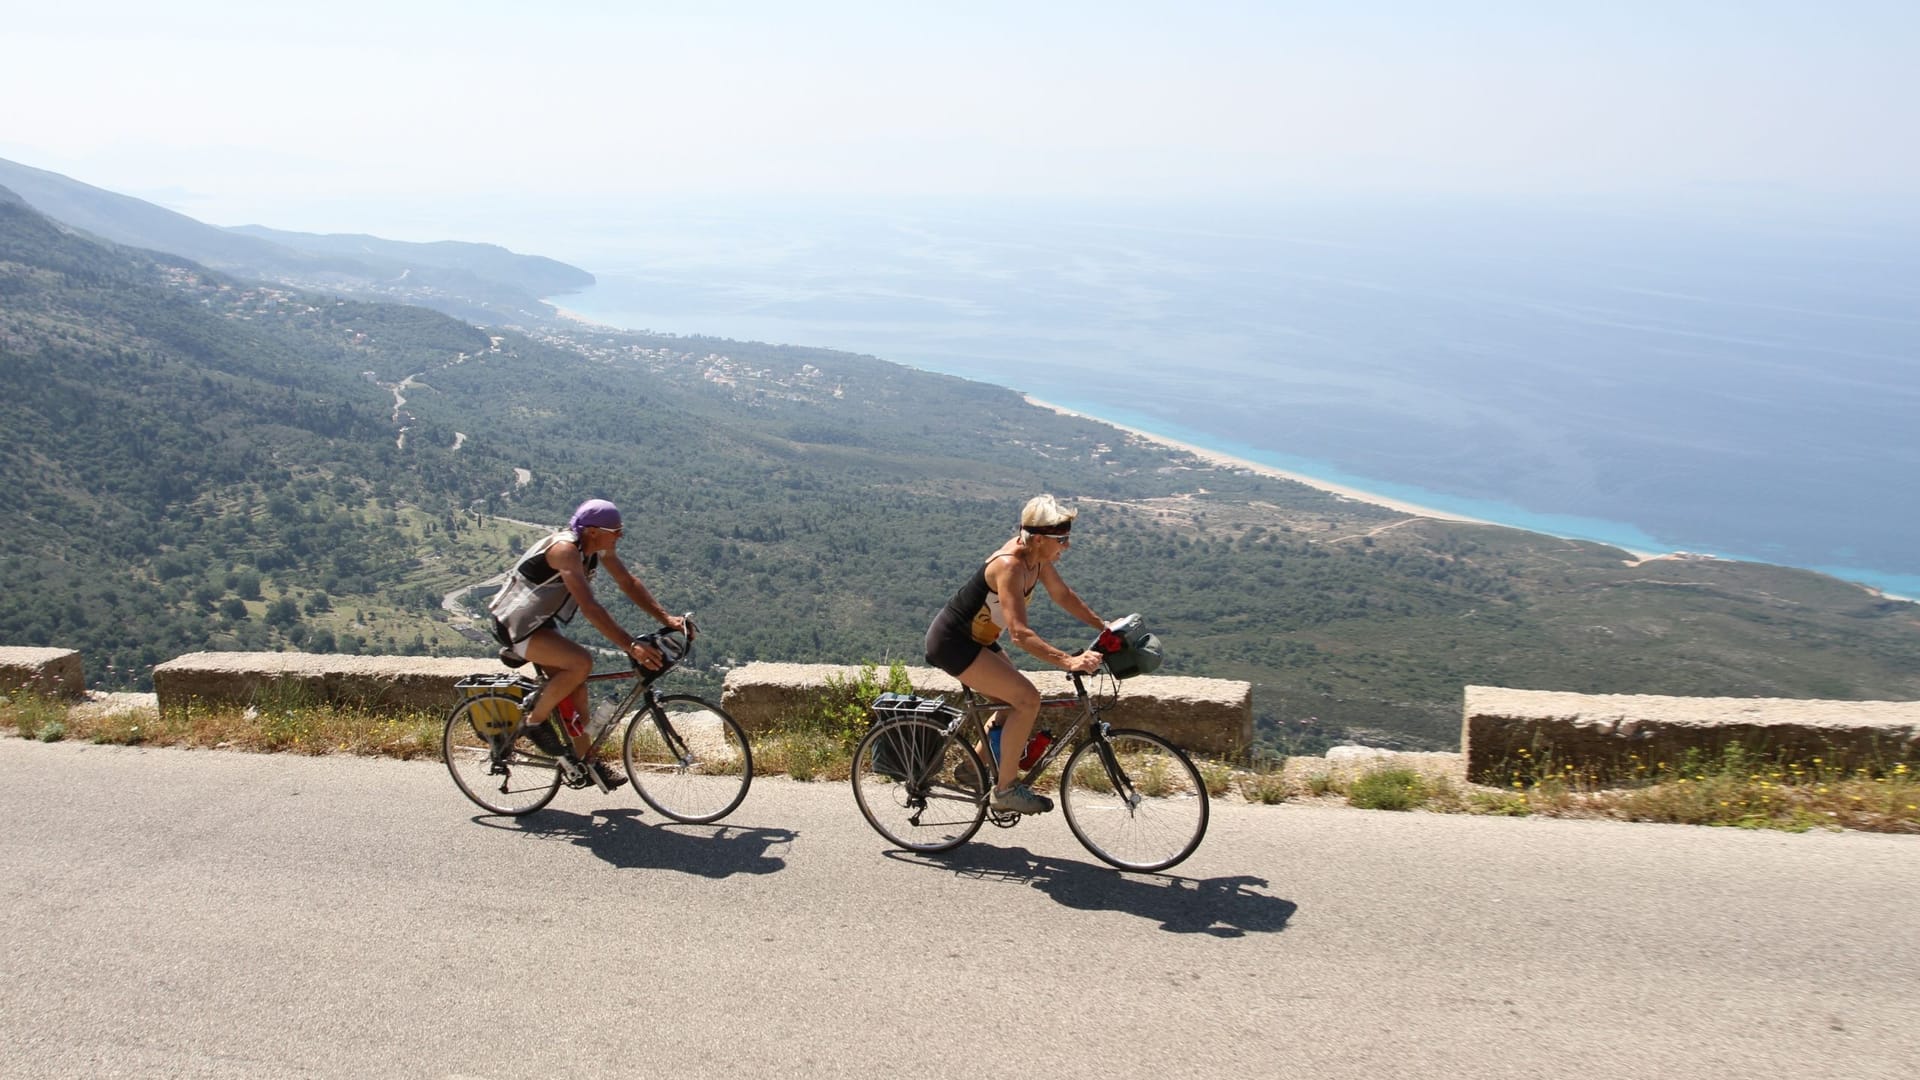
pixel 1208 716
pixel 53 672
pixel 1609 735
pixel 374 682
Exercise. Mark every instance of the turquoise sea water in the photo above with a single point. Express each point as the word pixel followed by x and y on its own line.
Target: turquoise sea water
pixel 1717 384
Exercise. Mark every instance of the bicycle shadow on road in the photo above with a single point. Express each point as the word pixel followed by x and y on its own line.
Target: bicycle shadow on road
pixel 1222 907
pixel 620 838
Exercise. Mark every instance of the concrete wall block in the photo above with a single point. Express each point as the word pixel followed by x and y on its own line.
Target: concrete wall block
pixel 370 682
pixel 1209 716
pixel 52 672
pixel 1610 735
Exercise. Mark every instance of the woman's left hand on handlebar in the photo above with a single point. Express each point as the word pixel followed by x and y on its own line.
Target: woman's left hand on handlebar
pixel 1085 663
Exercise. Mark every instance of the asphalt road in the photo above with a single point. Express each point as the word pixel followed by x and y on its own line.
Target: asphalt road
pixel 187 914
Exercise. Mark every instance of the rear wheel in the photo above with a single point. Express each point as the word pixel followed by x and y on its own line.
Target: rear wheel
pixel 1142 807
pixel 518 781
pixel 689 760
pixel 918 788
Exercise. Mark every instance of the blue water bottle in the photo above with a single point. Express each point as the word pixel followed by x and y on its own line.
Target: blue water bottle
pixel 993 743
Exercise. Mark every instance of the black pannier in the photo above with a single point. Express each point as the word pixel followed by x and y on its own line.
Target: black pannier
pixel 915 750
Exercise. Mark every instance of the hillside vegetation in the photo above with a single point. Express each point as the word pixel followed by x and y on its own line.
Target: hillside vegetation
pixel 197 461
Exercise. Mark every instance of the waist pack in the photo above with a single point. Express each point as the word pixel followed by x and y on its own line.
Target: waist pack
pixel 912 753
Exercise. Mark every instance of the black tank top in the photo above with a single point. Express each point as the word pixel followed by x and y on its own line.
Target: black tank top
pixel 976 606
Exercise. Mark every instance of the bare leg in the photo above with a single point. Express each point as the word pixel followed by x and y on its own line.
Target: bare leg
pixel 992 674
pixel 568 666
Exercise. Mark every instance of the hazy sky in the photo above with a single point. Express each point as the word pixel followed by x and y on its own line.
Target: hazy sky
pixel 248 111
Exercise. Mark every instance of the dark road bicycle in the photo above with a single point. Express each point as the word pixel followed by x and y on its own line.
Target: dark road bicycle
pixel 686 757
pixel 1132 798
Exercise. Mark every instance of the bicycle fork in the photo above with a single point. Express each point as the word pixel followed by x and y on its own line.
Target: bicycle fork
pixel 1117 776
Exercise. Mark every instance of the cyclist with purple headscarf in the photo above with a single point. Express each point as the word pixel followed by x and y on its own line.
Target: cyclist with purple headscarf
pixel 547 586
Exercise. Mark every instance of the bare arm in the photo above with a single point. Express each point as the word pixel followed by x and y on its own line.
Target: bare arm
pixel 565 560
pixel 642 598
pixel 637 591
pixel 1068 600
pixel 1013 604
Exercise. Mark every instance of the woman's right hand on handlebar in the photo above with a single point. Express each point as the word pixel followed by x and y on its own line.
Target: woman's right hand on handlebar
pixel 644 654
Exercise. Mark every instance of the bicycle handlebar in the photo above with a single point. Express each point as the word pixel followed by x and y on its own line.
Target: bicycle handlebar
pixel 671 651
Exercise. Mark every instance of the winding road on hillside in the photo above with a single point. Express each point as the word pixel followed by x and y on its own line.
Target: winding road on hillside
pixel 213 914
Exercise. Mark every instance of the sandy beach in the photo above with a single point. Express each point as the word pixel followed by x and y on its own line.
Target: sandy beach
pixel 1345 492
pixel 574 316
pixel 1230 461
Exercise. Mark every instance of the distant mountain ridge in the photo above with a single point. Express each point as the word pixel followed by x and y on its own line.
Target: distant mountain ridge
pixel 536 273
pixel 482 283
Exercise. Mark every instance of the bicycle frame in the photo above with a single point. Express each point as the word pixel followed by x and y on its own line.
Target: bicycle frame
pixel 686 757
pixel 640 700
pixel 978 709
pixel 1131 797
pixel 641 696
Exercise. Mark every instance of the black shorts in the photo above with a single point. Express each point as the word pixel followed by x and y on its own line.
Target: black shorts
pixel 950 644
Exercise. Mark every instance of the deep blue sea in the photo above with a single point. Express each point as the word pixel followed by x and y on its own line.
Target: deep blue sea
pixel 1718 378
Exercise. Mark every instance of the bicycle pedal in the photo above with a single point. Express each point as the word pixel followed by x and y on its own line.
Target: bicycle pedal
pixel 575 775
pixel 1005 819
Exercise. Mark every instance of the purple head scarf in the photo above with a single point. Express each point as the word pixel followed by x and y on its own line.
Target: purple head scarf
pixel 594 514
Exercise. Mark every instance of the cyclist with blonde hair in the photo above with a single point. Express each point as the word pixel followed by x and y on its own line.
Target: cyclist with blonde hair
pixel 964 639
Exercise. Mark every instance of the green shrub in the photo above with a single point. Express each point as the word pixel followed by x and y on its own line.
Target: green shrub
pixel 35 716
pixel 1388 789
pixel 842 712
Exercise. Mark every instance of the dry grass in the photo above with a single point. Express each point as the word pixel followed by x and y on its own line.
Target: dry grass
pixel 1735 789
pixel 299 729
pixel 802 755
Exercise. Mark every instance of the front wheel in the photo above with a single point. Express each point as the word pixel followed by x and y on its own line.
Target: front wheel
pixel 1140 806
pixel 688 759
pixel 517 780
pixel 918 788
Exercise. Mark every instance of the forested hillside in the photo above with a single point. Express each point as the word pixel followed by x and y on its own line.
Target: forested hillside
pixel 199 462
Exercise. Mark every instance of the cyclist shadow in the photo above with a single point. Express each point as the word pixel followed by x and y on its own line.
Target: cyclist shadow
pixel 621 839
pixel 1225 907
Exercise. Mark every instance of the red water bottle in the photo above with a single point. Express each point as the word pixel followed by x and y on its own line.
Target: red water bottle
pixel 1035 747
pixel 570 718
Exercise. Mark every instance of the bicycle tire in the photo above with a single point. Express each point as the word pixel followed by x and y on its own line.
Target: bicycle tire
pixel 699 770
pixel 530 778
pixel 918 788
pixel 1160 826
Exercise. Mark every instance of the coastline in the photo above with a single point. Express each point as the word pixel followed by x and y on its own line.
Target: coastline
pixel 1342 490
pixel 1634 555
pixel 574 316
